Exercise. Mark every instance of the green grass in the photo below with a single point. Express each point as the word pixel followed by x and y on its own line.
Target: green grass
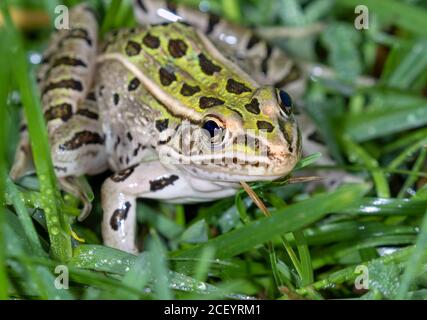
pixel 313 240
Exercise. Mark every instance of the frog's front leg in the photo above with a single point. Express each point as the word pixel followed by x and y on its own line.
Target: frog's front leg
pixel 154 181
pixel 119 193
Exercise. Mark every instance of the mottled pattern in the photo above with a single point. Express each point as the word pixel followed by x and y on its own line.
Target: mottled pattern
pixel 132 48
pixel 253 106
pixel 207 66
pixel 163 182
pixel 209 102
pixel 150 41
pixel 80 139
pixel 177 48
pixel 265 125
pixel 134 84
pixel 188 91
pixel 236 87
pixel 62 111
pixel 72 84
pixel 119 216
pixel 162 124
pixel 166 77
pixel 123 174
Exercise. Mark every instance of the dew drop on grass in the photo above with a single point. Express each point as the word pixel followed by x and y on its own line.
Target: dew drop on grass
pixel 201 286
pixel 54 231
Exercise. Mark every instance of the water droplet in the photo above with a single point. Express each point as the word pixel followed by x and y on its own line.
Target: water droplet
pixel 54 231
pixel 201 286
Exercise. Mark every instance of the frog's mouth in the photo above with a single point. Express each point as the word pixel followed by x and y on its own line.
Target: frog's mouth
pixel 235 168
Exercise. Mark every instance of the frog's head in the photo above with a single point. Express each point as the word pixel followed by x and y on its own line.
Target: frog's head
pixel 258 139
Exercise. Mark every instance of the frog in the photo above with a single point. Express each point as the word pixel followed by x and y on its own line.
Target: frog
pixel 182 109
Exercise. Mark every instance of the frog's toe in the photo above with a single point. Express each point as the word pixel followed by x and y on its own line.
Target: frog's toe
pixel 87 208
pixel 79 189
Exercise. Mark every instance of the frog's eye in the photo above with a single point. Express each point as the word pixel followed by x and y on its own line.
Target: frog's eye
pixel 285 101
pixel 212 127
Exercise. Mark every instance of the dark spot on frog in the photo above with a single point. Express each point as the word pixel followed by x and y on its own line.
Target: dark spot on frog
pixel 117 143
pixel 87 113
pixel 65 61
pixel 134 84
pixel 132 48
pixel 162 182
pixel 82 138
pixel 136 150
pixel 253 106
pixel 91 96
pixel 253 40
pixel 161 142
pixel 265 125
pixel 129 136
pixel 119 216
pixel 151 41
pixel 207 66
pixel 162 124
pixel 116 99
pixel 264 63
pixel 141 5
pixel 76 33
pixel 208 102
pixel 61 111
pixel 188 91
pixel 166 77
pixel 177 48
pixel 213 21
pixel 236 87
pixel 69 61
pixel 63 84
pixel 127 160
pixel 58 169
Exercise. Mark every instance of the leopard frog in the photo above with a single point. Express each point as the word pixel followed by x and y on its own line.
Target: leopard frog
pixel 180 110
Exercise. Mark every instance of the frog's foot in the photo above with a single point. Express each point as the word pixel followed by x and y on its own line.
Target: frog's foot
pixel 76 188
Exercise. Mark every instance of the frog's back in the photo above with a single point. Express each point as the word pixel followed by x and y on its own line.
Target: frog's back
pixel 181 67
pixel 151 78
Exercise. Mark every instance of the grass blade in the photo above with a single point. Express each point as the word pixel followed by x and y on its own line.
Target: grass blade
pixel 289 219
pixel 414 263
pixel 58 225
